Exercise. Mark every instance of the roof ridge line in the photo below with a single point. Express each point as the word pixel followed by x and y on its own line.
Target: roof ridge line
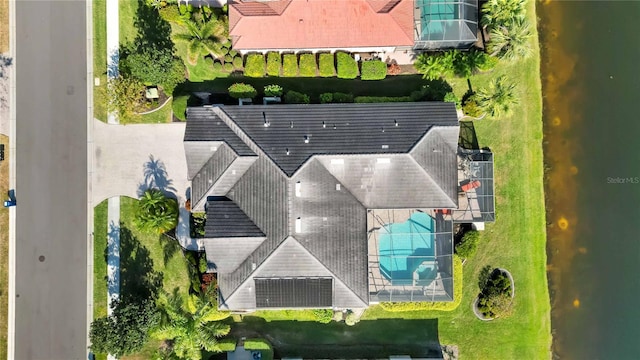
pixel 453 203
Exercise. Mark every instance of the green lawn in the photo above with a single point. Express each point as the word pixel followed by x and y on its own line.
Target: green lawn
pixel 516 241
pixel 100 57
pixel 142 262
pixel 100 264
pixel 127 17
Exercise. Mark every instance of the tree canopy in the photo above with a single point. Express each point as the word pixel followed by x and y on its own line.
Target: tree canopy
pixel 156 212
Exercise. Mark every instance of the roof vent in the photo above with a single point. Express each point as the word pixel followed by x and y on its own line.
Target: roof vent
pixel 306 139
pixel 324 125
pixel 287 151
pixel 385 146
pixel 291 124
pixel 264 118
pixel 253 266
pixel 383 129
pixel 298 189
pixel 395 122
pixel 334 126
pixel 338 187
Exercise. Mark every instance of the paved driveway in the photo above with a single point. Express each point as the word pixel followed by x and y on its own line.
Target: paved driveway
pixel 131 158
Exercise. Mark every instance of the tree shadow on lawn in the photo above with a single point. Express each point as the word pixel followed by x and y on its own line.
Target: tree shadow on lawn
pixel 138 279
pixel 153 31
pixel 367 339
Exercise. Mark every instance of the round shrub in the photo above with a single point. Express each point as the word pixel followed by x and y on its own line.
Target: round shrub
pixel 228 58
pixel 217 66
pixel 468 245
pixel 237 62
pixel 228 67
pixel 273 90
pixel 241 91
pixel 294 97
pixel 326 98
pixel 233 53
pixel 351 318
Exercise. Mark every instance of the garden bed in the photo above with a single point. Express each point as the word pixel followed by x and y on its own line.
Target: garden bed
pixel 478 313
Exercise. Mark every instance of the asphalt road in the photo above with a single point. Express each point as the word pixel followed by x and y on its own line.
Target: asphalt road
pixel 51 178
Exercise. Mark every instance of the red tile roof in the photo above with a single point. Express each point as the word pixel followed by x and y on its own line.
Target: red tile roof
pixel 310 24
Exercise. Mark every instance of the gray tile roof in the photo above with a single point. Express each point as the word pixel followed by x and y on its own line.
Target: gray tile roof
pixel 198 153
pixel 290 259
pixel 210 172
pixel 347 128
pixel 204 125
pixel 333 236
pixel 226 220
pixel 226 254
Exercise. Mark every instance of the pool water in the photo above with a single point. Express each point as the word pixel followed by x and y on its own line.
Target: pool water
pixel 406 249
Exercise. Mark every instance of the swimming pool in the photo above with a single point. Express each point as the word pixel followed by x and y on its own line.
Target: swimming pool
pixel 406 250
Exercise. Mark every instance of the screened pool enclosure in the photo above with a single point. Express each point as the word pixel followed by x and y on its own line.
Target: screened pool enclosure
pixel 445 24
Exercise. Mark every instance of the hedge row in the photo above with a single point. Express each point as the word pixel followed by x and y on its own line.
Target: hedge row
pixel 254 66
pixel 308 67
pixel 373 70
pixel 336 97
pixel 347 66
pixel 382 99
pixel 289 65
pixel 440 306
pixel 227 345
pixel 273 64
pixel 294 97
pixel 326 65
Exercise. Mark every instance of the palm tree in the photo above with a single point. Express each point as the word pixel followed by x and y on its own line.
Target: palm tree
pixel 203 38
pixel 511 41
pixel 498 98
pixel 500 12
pixel 435 66
pixel 156 213
pixel 190 323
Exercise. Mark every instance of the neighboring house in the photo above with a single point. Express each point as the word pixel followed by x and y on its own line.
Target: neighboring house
pixel 333 205
pixel 352 25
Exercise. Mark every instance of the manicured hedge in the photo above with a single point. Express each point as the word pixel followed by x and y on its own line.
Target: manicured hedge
pixel 262 345
pixel 308 66
pixel 336 97
pixel 274 63
pixel 237 62
pixel 254 65
pixel 326 65
pixel 440 306
pixel 227 345
pixel 241 90
pixel 294 97
pixel 373 70
pixel 289 65
pixel 347 66
pixel 382 99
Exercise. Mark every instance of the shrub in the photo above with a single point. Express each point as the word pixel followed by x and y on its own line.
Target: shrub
pixel 434 90
pixel 208 61
pixel 233 53
pixel 351 318
pixel 294 97
pixel 470 107
pixel 227 345
pixel 435 66
pixel 179 105
pixel 202 264
pixel 439 306
pixel 347 66
pixel 452 97
pixel 394 69
pixel 324 316
pixel 262 345
pixel 155 212
pixel 241 91
pixel 495 298
pixel 339 97
pixel 382 99
pixel 237 62
pixel 308 67
pixel 289 65
pixel 124 96
pixel 254 65
pixel 273 64
pixel 326 65
pixel 273 90
pixel 197 222
pixel 468 245
pixel 154 67
pixel 228 67
pixel 171 14
pixel 373 70
pixel 326 98
pixel 217 66
pixel 228 58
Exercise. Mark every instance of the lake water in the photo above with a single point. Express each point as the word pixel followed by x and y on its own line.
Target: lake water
pixel 591 88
